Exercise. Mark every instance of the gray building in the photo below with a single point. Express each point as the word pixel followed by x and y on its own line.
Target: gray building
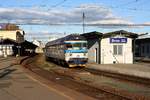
pixel 143 47
pixel 93 39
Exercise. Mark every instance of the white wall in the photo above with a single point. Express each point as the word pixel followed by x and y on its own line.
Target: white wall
pixel 6 50
pixel 107 56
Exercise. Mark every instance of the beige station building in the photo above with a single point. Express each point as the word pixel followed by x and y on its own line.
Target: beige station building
pixel 11 31
pixel 14 34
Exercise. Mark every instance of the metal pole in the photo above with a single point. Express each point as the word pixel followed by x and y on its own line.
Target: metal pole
pixel 134 48
pixel 18 50
pixel 83 16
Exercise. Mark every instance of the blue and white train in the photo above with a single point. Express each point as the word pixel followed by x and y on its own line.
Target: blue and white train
pixel 70 50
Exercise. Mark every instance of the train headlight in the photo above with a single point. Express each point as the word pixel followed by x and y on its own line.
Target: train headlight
pixel 70 54
pixel 84 54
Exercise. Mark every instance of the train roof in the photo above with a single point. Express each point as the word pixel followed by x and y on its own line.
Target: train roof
pixel 66 38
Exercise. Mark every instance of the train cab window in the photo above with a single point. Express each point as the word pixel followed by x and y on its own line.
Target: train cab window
pixel 77 46
pixel 84 45
pixel 69 46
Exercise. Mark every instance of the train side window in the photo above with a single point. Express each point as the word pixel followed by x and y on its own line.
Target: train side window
pixel 69 45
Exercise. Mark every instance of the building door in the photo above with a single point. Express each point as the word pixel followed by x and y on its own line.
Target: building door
pixel 96 55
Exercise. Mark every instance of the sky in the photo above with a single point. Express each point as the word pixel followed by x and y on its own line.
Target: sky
pixel 43 19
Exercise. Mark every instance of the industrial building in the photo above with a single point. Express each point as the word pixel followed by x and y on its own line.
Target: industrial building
pixel 111 48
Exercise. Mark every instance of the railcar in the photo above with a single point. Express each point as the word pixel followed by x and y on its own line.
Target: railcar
pixel 70 50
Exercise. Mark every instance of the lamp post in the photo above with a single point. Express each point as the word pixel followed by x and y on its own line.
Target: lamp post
pixel 1 48
pixel 18 47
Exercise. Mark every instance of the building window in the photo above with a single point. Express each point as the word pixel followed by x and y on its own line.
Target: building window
pixel 117 49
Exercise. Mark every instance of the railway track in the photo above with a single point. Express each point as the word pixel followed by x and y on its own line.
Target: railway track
pixel 69 82
pixel 115 76
pixel 64 76
pixel 7 59
pixel 137 80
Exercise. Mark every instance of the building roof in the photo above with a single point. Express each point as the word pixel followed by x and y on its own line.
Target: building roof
pixel 28 45
pixel 144 40
pixel 120 32
pixel 7 41
pixel 8 26
pixel 144 37
pixel 91 35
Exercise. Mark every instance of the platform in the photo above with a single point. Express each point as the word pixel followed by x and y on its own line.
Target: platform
pixel 17 83
pixel 141 70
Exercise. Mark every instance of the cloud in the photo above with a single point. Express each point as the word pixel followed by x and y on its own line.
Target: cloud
pixel 94 14
pixel 111 21
pixel 147 23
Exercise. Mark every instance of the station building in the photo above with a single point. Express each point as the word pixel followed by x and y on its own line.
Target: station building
pixel 111 48
pixel 7 47
pixel 10 36
pixel 39 45
pixel 12 41
pixel 11 31
pixel 26 48
pixel 17 35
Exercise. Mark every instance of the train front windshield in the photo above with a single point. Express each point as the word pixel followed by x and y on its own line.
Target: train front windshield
pixel 76 46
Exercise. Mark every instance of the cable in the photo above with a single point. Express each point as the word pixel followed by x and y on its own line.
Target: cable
pixel 58 4
pixel 57 24
pixel 128 3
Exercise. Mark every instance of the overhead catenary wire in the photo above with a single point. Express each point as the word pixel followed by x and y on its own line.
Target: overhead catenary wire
pixel 128 3
pixel 62 2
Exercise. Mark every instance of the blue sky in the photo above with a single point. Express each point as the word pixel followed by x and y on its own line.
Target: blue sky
pixel 58 16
